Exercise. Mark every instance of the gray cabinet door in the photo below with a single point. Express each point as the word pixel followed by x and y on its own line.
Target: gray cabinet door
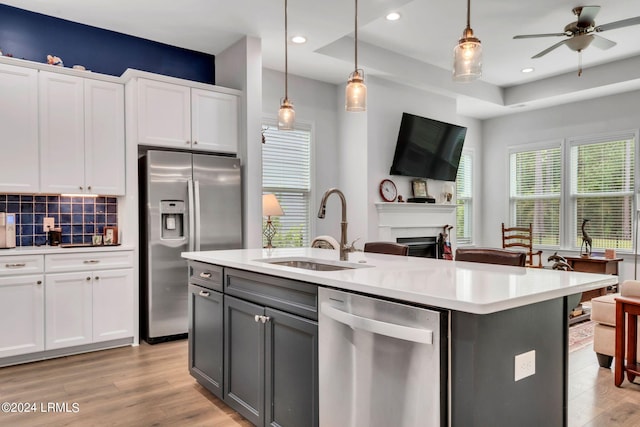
pixel 291 373
pixel 206 337
pixel 244 358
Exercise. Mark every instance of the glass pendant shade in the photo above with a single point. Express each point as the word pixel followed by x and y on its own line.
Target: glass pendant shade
pixel 356 92
pixel 286 115
pixel 467 58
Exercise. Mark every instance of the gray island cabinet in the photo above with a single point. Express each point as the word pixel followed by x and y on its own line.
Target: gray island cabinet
pixel 253 342
pixel 267 331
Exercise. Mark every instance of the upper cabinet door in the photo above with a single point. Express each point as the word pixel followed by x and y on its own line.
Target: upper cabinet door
pixel 164 117
pixel 214 118
pixel 104 137
pixel 19 171
pixel 61 133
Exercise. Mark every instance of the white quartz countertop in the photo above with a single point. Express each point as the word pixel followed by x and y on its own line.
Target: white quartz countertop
pixel 454 285
pixel 47 250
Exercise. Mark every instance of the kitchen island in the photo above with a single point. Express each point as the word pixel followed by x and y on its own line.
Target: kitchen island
pixel 493 314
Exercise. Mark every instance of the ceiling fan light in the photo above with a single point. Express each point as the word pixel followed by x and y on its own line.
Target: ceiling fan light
pixel 356 92
pixel 286 115
pixel 467 58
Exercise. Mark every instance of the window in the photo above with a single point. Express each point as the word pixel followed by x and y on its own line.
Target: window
pixel 286 172
pixel 602 177
pixel 464 195
pixel 595 182
pixel 536 180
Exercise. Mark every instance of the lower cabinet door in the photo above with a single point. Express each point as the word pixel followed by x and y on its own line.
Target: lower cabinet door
pixel 206 338
pixel 244 358
pixel 112 304
pixel 291 374
pixel 21 315
pixel 68 311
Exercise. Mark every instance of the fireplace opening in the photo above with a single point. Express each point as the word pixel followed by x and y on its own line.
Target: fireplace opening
pixel 426 247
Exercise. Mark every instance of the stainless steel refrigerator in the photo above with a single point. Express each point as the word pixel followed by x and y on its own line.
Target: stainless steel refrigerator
pixel 188 202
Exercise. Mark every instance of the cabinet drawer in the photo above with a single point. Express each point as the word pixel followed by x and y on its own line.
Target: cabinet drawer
pixel 207 275
pixel 88 261
pixel 287 295
pixel 11 265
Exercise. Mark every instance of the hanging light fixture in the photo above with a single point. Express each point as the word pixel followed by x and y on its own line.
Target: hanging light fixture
pixel 467 55
pixel 356 93
pixel 286 114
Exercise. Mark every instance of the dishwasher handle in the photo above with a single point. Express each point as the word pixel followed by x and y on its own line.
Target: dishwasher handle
pixel 405 333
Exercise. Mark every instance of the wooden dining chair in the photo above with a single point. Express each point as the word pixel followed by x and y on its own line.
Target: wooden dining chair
pixel 389 248
pixel 492 256
pixel 521 237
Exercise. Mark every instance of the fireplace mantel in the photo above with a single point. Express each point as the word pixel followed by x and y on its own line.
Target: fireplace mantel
pixel 413 219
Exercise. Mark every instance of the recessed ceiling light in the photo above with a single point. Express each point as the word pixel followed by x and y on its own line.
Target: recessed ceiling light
pixel 299 39
pixel 528 70
pixel 393 16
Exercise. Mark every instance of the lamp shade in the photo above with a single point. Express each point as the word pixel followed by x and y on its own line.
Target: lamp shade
pixel 356 92
pixel 286 115
pixel 271 206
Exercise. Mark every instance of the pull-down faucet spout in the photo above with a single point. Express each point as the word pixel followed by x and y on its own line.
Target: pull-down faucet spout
pixel 343 225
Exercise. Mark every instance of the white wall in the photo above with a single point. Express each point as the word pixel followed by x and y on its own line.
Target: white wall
pixel 597 116
pixel 314 103
pixel 386 103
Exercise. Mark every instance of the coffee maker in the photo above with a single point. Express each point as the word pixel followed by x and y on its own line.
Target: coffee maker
pixel 7 230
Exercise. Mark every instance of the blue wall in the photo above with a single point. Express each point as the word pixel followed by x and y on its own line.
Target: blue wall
pixel 33 36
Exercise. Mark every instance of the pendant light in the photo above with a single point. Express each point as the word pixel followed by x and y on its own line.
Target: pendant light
pixel 356 92
pixel 467 55
pixel 286 114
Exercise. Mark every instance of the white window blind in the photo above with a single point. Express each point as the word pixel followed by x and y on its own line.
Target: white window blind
pixel 286 172
pixel 535 184
pixel 464 198
pixel 602 182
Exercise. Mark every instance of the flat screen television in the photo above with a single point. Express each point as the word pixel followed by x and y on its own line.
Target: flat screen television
pixel 428 148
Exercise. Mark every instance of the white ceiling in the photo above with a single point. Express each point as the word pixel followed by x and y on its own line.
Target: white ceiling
pixel 417 49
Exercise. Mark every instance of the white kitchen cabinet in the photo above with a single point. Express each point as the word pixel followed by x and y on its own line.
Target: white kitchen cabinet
pixel 91 305
pixel 176 116
pixel 68 301
pixel 19 171
pixel 21 314
pixel 81 135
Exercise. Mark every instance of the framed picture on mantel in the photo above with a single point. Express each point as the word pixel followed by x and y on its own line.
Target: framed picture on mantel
pixel 419 188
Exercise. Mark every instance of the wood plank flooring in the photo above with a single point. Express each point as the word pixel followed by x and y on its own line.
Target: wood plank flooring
pixel 151 386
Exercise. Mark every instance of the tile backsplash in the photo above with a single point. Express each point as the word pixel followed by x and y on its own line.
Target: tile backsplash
pixel 79 217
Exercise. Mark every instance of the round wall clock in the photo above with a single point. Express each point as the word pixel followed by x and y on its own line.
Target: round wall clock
pixel 388 190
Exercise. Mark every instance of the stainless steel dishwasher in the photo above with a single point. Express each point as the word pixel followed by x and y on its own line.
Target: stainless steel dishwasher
pixel 380 363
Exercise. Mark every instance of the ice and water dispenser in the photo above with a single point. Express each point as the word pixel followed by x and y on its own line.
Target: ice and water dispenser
pixel 172 216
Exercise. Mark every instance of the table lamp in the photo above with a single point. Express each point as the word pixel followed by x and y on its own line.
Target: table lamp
pixel 270 207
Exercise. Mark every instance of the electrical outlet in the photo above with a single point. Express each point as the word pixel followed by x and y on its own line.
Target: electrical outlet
pixel 525 365
pixel 48 224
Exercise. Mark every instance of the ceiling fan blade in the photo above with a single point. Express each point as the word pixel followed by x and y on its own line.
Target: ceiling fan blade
pixel 549 49
pixel 531 36
pixel 602 43
pixel 618 24
pixel 587 15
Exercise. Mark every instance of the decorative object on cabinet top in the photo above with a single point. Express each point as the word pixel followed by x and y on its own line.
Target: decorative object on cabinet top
pixel 54 60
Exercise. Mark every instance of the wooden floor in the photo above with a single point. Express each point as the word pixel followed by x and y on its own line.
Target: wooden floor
pixel 150 386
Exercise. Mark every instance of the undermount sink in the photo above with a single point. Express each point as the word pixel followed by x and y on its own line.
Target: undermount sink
pixel 311 264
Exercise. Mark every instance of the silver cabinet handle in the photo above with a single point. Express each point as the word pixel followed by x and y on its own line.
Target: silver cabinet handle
pixel 16 265
pixel 205 275
pixel 204 293
pixel 263 319
pixel 91 261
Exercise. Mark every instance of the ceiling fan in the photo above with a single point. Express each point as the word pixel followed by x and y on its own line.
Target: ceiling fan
pixel 581 33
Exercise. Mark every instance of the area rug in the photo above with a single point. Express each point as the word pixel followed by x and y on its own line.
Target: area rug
pixel 581 335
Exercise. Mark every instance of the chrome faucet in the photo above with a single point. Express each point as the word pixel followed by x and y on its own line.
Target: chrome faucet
pixel 344 248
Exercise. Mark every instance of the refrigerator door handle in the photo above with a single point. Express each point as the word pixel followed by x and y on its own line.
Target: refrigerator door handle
pixel 196 187
pixel 191 215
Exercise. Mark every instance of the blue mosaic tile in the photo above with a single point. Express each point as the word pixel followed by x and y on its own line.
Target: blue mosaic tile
pixel 78 217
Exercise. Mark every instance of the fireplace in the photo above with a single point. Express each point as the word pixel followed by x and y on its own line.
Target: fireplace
pixel 426 247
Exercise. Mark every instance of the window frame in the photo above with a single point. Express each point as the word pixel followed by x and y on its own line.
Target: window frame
pixel 470 152
pixel 300 125
pixel 568 200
